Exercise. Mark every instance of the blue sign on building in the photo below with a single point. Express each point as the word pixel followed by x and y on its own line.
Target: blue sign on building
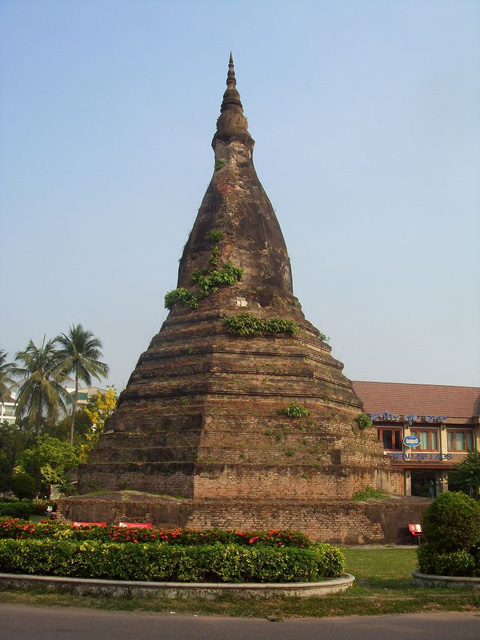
pixel 411 441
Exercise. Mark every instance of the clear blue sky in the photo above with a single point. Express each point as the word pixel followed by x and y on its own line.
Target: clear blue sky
pixel 366 116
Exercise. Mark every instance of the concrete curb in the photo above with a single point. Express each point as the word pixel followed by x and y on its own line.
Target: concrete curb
pixel 120 588
pixel 426 580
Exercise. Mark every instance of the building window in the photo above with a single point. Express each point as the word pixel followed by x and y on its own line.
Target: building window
pixel 459 440
pixel 428 439
pixel 391 438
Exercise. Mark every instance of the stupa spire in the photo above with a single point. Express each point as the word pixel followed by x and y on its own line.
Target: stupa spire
pixel 232 124
pixel 227 383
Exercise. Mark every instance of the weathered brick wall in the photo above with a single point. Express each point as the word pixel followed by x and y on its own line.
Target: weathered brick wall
pixel 340 522
pixel 167 478
pixel 295 482
pixel 337 522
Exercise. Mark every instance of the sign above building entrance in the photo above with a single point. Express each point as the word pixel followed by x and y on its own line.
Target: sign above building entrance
pixel 411 441
pixel 415 457
pixel 407 417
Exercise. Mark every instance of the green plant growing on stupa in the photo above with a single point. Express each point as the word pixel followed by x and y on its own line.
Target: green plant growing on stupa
pixel 363 421
pixel 246 324
pixel 181 296
pixel 216 236
pixel 294 410
pixel 207 280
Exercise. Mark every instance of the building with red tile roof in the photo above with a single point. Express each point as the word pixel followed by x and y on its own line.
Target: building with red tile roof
pixel 426 429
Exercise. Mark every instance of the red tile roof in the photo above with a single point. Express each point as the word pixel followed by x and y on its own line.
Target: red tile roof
pixel 422 399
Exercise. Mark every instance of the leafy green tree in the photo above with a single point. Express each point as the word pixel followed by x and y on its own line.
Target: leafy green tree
pixel 466 475
pixel 23 485
pixel 48 461
pixel 61 428
pixel 99 410
pixel 14 439
pixel 80 353
pixel 6 382
pixel 41 376
pixel 5 473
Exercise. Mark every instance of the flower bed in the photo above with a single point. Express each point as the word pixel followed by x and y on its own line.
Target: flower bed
pixel 23 530
pixel 55 549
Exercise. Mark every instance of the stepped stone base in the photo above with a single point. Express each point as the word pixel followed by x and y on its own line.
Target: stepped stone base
pixel 339 521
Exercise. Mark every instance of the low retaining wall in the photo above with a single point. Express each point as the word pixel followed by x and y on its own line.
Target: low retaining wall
pixel 426 580
pixel 338 522
pixel 125 588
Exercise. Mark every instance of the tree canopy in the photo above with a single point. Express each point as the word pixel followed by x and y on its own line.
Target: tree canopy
pixel 6 381
pixel 41 391
pixel 79 353
pixel 466 475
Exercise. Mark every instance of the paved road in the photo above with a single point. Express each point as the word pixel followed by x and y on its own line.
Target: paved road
pixel 20 622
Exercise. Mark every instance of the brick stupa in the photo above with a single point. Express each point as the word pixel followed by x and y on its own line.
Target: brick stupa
pixel 237 410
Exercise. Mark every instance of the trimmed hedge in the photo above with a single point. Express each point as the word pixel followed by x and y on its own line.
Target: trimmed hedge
pixel 16 509
pixel 449 563
pixel 161 562
pixel 451 525
pixel 452 522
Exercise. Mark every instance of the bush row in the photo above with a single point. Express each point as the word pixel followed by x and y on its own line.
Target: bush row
pixel 448 563
pixel 23 508
pixel 165 562
pixel 16 509
pixel 21 529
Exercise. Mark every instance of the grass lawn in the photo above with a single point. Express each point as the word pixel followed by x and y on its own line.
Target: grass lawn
pixel 37 519
pixel 383 585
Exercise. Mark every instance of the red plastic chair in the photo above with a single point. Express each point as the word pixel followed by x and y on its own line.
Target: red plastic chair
pixel 416 531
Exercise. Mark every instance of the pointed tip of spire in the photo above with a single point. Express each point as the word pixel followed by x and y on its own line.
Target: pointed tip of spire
pixel 232 124
pixel 231 80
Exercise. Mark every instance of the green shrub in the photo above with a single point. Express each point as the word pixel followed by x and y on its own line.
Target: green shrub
pixel 294 410
pixel 16 509
pixel 40 506
pixel 216 235
pixel 246 324
pixel 450 563
pixel 164 562
pixel 181 296
pixel 452 522
pixel 363 421
pixel 209 281
pixel 23 485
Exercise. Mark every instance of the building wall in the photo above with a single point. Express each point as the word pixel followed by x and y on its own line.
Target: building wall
pixel 7 412
pixel 446 419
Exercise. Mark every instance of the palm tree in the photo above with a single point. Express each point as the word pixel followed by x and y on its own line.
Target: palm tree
pixel 80 352
pixel 41 391
pixel 6 382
